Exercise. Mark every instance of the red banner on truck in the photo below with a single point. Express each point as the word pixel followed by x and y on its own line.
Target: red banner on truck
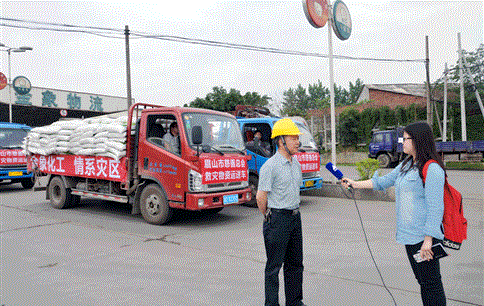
pixel 96 167
pixel 12 157
pixel 223 169
pixel 309 161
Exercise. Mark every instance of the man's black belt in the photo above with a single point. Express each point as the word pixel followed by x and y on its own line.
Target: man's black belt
pixel 286 211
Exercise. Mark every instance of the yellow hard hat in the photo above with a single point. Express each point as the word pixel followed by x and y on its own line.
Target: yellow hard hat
pixel 284 127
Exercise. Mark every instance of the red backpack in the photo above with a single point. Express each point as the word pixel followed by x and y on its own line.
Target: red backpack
pixel 454 223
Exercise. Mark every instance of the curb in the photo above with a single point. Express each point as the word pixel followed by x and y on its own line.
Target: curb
pixel 337 191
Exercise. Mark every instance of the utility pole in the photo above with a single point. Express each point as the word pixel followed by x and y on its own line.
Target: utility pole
pixel 430 119
pixel 331 85
pixel 462 98
pixel 128 67
pixel 444 133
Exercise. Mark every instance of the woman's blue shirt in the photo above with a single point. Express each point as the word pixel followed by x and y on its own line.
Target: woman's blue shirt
pixel 419 210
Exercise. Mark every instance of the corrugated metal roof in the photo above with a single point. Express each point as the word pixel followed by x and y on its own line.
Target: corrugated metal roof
pixel 407 89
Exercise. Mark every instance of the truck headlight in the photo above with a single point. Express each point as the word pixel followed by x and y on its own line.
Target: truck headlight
pixel 194 181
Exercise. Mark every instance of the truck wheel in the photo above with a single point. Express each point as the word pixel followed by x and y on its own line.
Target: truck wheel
pixel 384 160
pixel 253 184
pixel 154 206
pixel 60 196
pixel 27 183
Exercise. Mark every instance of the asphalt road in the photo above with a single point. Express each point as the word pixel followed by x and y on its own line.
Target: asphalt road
pixel 99 254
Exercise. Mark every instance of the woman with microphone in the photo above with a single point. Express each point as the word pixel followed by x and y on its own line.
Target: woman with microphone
pixel 419 207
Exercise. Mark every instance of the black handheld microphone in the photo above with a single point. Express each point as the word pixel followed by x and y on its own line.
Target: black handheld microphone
pixel 335 171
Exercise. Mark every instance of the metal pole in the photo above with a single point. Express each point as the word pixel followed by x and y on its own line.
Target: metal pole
pixel 476 92
pixel 128 67
pixel 9 87
pixel 325 124
pixel 462 99
pixel 430 119
pixel 331 86
pixel 444 133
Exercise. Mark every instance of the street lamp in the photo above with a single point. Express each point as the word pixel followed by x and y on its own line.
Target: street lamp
pixel 9 51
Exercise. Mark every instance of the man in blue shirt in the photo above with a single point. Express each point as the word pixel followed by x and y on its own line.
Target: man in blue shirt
pixel 278 200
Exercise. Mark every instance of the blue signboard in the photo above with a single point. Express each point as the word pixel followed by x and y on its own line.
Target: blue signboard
pixel 341 20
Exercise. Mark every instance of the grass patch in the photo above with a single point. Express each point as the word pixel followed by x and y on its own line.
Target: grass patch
pixel 346 164
pixel 452 165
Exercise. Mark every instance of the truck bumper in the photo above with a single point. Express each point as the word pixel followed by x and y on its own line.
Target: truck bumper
pixel 312 183
pixel 14 174
pixel 199 201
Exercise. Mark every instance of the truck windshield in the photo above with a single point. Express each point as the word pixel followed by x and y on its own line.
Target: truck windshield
pixel 306 139
pixel 12 138
pixel 220 133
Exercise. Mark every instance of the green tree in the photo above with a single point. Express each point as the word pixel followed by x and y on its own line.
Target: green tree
pixel 355 90
pixel 400 115
pixel 387 117
pixel 368 120
pixel 341 96
pixel 221 100
pixel 348 127
pixel 297 101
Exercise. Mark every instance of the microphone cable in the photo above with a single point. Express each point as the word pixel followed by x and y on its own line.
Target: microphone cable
pixel 367 242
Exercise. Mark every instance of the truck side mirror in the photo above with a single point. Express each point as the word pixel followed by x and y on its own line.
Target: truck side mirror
pixel 197 135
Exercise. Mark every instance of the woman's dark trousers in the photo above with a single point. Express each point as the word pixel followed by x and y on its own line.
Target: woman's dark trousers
pixel 428 276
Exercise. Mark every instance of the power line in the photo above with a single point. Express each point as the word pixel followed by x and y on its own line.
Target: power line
pixel 59 30
pixel 119 34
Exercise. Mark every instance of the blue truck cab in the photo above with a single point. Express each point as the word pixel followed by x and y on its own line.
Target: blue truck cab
pixel 387 147
pixel 13 163
pixel 262 150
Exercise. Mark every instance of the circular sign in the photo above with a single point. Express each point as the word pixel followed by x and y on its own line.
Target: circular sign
pixel 316 12
pixel 341 20
pixel 63 112
pixel 21 85
pixel 3 81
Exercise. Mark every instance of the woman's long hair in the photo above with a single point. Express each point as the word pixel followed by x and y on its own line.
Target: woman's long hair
pixel 423 141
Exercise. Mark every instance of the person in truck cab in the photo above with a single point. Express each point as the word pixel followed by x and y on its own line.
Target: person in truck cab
pixel 171 140
pixel 258 143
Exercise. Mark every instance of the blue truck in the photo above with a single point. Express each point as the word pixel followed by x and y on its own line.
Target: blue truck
pixel 387 147
pixel 13 163
pixel 262 150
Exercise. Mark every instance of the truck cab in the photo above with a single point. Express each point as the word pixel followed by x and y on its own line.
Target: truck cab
pixel 261 150
pixel 387 147
pixel 13 163
pixel 208 170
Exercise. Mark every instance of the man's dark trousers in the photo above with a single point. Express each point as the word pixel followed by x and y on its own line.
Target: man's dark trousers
pixel 283 243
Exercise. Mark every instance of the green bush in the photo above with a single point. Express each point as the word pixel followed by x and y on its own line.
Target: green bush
pixel 367 167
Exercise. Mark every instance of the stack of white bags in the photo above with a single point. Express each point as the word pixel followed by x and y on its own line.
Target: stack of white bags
pixel 99 136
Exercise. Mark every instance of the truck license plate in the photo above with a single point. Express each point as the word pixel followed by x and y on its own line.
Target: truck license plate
pixel 309 183
pixel 15 173
pixel 231 198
